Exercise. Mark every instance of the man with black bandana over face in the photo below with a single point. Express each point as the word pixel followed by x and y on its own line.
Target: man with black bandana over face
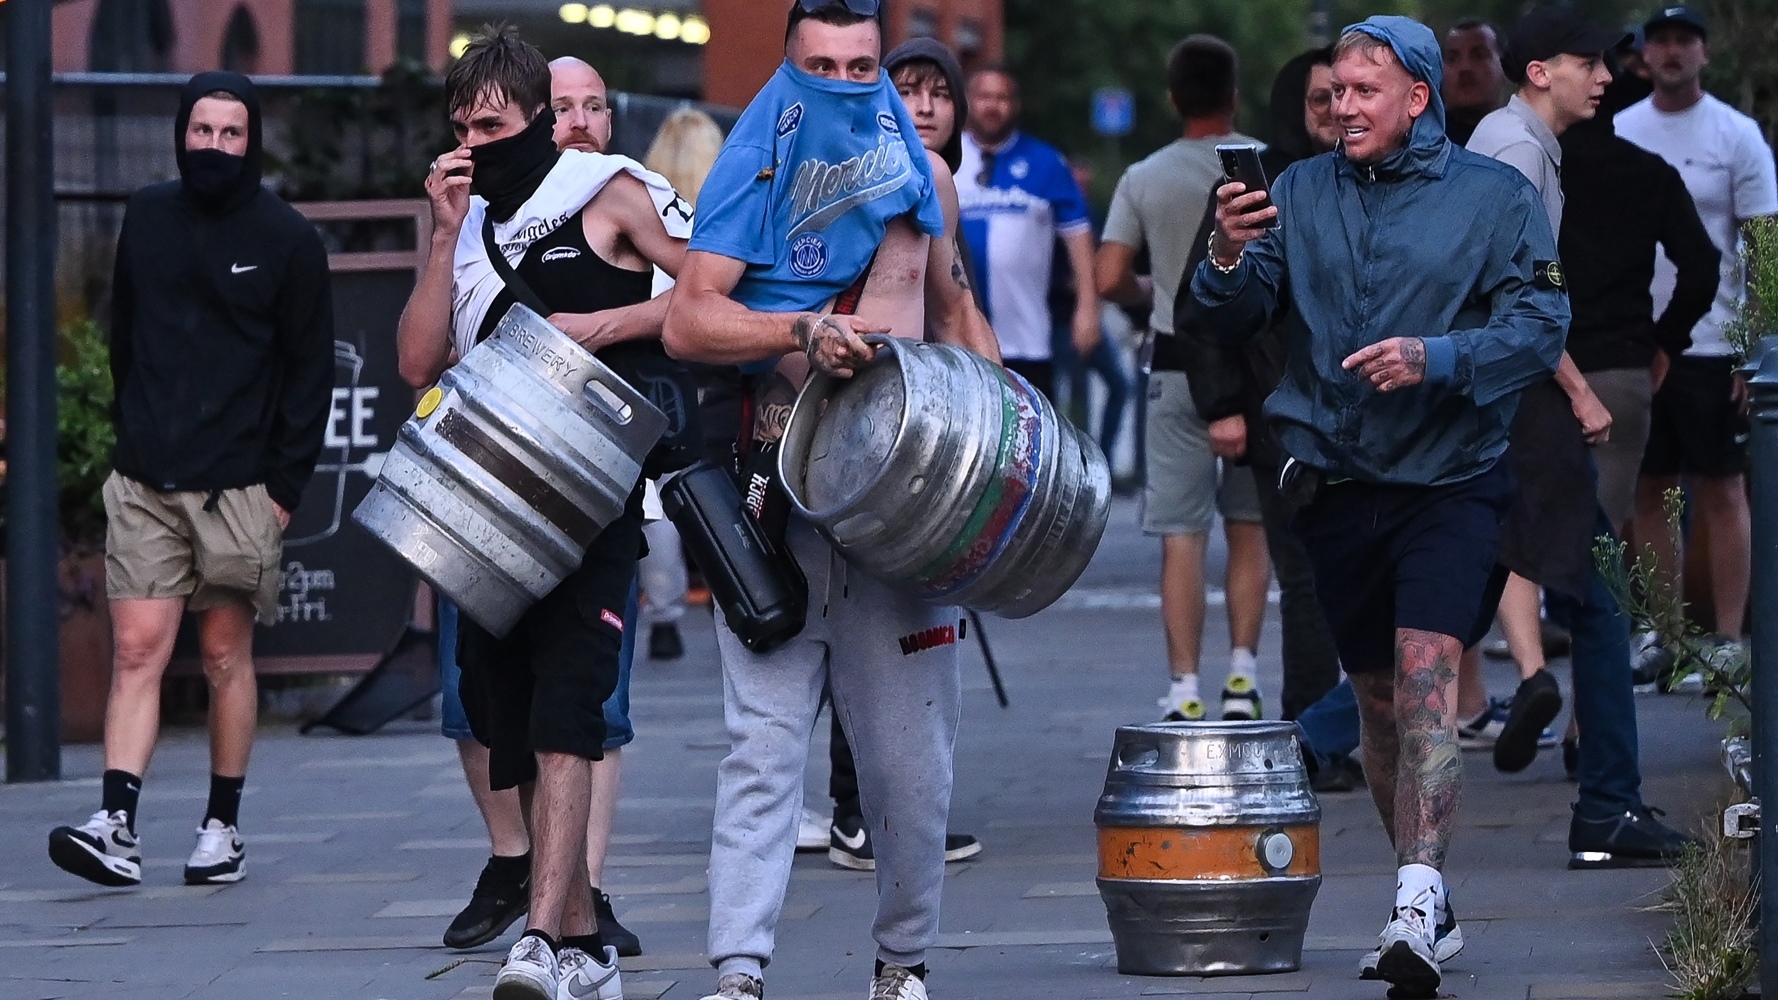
pixel 584 235
pixel 222 358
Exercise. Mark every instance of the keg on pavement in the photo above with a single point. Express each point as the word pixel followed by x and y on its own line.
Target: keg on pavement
pixel 1209 848
pixel 510 467
pixel 949 477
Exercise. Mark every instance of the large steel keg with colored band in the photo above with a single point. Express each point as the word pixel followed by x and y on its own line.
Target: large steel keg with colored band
pixel 1209 848
pixel 510 467
pixel 949 477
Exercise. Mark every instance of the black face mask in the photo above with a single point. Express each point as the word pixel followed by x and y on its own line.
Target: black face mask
pixel 509 170
pixel 210 175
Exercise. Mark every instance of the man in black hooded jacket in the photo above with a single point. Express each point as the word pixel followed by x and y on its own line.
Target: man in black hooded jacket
pixel 222 360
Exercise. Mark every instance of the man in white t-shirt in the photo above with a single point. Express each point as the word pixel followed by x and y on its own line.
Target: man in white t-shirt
pixel 1158 206
pixel 1018 195
pixel 1699 426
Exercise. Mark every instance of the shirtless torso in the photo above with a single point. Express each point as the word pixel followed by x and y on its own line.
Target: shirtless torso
pixel 895 294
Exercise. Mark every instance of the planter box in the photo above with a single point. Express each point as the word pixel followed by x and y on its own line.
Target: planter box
pixel 85 647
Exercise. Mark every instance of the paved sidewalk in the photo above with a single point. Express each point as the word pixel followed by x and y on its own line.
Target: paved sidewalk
pixel 360 851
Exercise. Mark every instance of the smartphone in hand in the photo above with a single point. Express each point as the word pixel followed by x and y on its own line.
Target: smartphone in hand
pixel 1240 163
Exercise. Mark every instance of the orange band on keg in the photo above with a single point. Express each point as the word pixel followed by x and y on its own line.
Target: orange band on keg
pixel 1223 852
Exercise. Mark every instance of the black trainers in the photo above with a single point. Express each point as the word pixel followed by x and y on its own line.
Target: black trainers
pixel 1335 773
pixel 616 935
pixel 1536 704
pixel 498 900
pixel 848 844
pixel 664 644
pixel 1633 839
pixel 961 847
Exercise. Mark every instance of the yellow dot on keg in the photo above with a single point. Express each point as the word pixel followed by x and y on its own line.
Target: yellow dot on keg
pixel 429 402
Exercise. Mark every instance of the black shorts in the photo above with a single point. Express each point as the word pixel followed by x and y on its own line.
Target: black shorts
pixel 1695 427
pixel 1390 557
pixel 543 688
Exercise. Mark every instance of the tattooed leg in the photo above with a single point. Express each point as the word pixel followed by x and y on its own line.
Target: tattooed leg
pixel 1431 768
pixel 1379 744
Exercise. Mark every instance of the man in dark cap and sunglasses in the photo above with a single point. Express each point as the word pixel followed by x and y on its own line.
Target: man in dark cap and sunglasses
pixel 824 195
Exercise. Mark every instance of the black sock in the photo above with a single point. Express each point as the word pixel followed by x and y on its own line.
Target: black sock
pixel 514 870
pixel 120 792
pixel 593 944
pixel 545 938
pixel 919 971
pixel 225 800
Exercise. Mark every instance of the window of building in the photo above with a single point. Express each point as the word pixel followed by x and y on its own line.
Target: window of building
pixel 330 37
pixel 132 36
pixel 240 43
pixel 410 30
pixel 922 23
pixel 970 37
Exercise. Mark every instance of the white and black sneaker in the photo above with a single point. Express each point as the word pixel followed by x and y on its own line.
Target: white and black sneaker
pixel 101 850
pixel 1447 943
pixel 811 832
pixel 580 976
pixel 848 844
pixel 530 973
pixel 1406 958
pixel 1240 699
pixel 220 857
pixel 897 983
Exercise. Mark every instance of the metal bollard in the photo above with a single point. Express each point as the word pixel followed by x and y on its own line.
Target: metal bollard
pixel 1763 399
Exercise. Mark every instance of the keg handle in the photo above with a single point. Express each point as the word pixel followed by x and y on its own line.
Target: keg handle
pixel 607 400
pixel 1135 755
pixel 793 450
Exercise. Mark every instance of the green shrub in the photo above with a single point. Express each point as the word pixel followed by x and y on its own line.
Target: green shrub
pixel 84 436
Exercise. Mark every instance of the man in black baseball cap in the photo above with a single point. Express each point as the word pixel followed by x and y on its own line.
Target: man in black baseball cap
pixel 1684 18
pixel 1557 30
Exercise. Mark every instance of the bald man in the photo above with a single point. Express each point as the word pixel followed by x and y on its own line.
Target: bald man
pixel 583 109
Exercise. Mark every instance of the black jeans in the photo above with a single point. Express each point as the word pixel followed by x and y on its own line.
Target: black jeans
pixel 1311 663
pixel 842 778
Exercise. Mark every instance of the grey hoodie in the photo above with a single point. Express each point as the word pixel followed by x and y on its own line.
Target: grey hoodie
pixel 1434 242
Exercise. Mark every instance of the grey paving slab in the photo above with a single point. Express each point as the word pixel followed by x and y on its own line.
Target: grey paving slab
pixel 339 910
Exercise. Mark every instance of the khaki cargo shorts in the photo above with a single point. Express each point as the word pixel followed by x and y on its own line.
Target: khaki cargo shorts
pixel 166 545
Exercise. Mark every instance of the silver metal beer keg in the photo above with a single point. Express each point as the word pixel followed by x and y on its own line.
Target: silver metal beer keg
pixel 1209 848
pixel 510 467
pixel 947 476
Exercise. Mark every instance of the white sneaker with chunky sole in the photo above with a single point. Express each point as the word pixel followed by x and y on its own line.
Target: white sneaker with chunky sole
pixel 220 857
pixel 580 976
pixel 101 850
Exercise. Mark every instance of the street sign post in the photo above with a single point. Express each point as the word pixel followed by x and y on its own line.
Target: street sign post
pixel 1114 112
pixel 33 695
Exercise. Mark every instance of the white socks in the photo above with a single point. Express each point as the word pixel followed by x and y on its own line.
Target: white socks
pixel 1421 887
pixel 1184 689
pixel 1242 663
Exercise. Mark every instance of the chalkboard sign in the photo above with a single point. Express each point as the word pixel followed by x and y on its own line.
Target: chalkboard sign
pixel 344 599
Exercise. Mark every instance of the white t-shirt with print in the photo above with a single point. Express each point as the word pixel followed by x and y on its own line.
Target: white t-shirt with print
pixel 1728 169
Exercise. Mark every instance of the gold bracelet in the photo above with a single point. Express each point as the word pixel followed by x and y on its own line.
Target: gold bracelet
pixel 1210 256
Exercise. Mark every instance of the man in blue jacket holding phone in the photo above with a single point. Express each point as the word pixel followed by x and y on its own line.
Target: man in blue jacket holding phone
pixel 1416 319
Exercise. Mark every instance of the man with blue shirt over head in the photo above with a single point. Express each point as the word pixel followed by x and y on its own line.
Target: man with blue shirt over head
pixel 1018 195
pixel 824 192
pixel 1405 359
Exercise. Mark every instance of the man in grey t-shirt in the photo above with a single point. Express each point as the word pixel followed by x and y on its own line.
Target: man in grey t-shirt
pixel 1158 206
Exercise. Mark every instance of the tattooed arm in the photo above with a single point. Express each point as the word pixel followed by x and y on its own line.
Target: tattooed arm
pixel 951 311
